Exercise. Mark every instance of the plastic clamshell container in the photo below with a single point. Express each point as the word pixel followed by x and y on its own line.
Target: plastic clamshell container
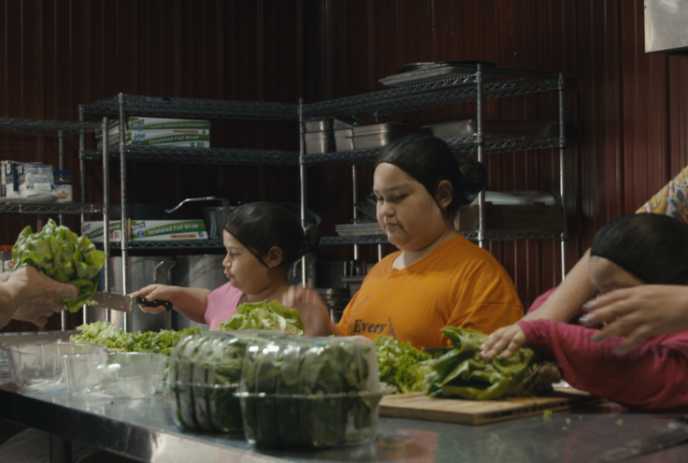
pixel 204 375
pixel 134 375
pixel 41 366
pixel 310 392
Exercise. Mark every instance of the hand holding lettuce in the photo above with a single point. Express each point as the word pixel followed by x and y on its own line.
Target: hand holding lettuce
pixel 64 257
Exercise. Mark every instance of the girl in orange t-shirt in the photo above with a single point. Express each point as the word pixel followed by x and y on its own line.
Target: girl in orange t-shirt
pixel 438 278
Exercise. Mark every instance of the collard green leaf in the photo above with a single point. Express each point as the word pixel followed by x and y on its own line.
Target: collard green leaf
pixel 462 372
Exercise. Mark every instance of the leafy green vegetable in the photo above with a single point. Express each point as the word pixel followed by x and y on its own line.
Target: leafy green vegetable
pixel 64 257
pixel 265 316
pixel 309 392
pixel 106 334
pixel 462 372
pixel 205 370
pixel 402 365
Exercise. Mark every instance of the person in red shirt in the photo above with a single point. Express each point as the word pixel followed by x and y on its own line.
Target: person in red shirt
pixel 630 251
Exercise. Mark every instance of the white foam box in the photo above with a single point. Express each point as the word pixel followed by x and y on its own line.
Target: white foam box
pixel 148 230
pixel 33 179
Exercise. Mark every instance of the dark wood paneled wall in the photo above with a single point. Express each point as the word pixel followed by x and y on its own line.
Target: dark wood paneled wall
pixel 627 110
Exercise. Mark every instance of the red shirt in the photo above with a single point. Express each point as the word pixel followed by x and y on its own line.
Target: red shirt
pixel 653 376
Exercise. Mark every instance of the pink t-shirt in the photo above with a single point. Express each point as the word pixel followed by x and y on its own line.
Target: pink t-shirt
pixel 222 304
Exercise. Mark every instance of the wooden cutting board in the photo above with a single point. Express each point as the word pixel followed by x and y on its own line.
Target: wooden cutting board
pixel 417 405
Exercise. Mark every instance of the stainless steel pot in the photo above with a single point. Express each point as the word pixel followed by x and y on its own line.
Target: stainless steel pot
pixel 141 271
pixel 203 271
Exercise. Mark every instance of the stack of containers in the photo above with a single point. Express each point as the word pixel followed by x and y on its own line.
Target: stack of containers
pixel 319 135
pixel 283 391
pixel 159 131
pixel 27 180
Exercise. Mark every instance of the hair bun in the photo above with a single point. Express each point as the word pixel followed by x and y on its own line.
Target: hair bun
pixel 474 176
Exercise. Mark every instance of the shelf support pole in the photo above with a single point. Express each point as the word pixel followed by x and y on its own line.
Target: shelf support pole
pixel 354 178
pixel 82 182
pixel 106 212
pixel 562 185
pixel 302 185
pixel 60 165
pixel 123 197
pixel 481 154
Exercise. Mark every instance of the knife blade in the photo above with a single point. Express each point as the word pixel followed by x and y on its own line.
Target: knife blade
pixel 674 433
pixel 125 303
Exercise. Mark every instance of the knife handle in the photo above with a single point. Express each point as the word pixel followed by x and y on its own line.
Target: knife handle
pixel 154 303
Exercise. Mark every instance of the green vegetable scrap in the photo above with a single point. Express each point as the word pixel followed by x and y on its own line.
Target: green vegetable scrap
pixel 106 334
pixel 309 392
pixel 402 365
pixel 547 415
pixel 265 316
pixel 462 372
pixel 64 257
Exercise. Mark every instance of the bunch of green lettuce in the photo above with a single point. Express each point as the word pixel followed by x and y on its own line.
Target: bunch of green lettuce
pixel 265 316
pixel 462 372
pixel 308 392
pixel 106 334
pixel 64 257
pixel 402 365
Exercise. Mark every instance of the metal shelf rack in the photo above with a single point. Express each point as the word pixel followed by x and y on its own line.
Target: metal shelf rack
pixel 476 85
pixel 123 104
pixel 193 108
pixel 44 127
pixel 184 154
pixel 466 145
pixel 24 209
pixel 496 83
pixel 47 128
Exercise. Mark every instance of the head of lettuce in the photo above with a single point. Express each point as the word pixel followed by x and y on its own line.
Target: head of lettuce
pixel 63 256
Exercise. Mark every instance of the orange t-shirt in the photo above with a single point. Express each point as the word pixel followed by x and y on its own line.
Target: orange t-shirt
pixel 458 284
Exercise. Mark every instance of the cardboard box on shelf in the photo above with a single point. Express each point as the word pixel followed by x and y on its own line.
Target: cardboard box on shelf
pixel 178 137
pixel 148 230
pixel 512 218
pixel 156 123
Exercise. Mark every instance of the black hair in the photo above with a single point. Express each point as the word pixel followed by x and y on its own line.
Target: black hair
pixel 429 160
pixel 652 247
pixel 261 225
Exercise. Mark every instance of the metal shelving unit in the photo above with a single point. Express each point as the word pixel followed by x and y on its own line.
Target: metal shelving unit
pixel 47 128
pixel 183 154
pixel 496 83
pixel 123 105
pixel 476 85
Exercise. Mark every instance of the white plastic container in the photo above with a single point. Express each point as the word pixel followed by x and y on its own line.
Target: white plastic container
pixel 41 366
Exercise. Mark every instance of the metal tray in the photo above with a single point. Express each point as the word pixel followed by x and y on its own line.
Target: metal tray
pixel 372 228
pixel 425 75
pixel 319 142
pixel 519 128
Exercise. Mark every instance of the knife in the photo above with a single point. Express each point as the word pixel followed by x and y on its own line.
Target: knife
pixel 125 303
pixel 675 433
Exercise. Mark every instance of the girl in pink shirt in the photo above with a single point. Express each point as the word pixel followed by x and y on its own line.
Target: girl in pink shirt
pixel 262 240
pixel 629 251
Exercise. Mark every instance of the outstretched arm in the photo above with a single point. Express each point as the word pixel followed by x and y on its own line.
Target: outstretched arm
pixel 190 302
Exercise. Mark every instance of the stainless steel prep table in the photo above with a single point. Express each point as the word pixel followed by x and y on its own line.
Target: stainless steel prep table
pixel 145 430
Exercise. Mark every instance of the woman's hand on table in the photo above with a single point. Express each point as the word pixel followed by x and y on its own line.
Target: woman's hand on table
pixel 313 310
pixel 152 292
pixel 504 342
pixel 639 313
